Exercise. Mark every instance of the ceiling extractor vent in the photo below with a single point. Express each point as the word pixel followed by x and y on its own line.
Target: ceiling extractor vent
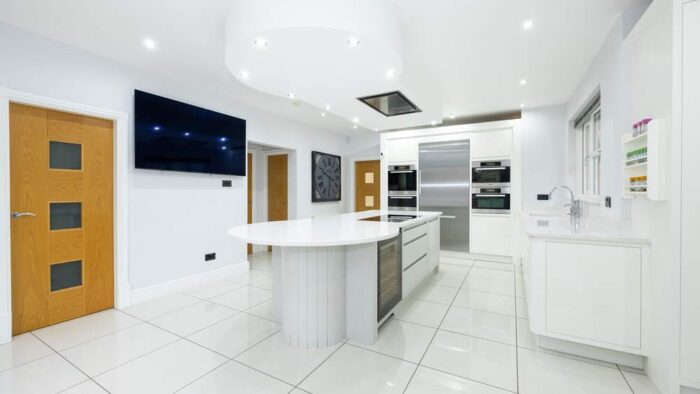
pixel 390 104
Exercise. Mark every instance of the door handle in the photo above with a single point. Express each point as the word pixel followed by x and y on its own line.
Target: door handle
pixel 17 215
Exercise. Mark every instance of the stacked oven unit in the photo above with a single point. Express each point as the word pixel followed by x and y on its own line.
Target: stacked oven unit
pixel 403 187
pixel 491 187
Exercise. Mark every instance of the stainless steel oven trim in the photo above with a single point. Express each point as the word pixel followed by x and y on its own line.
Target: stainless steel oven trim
pixel 477 185
pixel 492 211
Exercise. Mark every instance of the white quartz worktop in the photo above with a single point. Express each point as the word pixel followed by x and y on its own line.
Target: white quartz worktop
pixel 589 229
pixel 327 230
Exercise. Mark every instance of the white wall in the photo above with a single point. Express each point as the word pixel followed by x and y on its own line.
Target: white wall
pixel 174 217
pixel 544 144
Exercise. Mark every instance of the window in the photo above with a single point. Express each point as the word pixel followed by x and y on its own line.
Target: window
pixel 589 133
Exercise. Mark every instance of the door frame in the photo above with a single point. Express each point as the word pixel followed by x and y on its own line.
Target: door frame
pixel 122 288
pixel 351 185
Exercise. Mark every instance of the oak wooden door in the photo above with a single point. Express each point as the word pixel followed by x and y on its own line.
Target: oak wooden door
pixel 366 185
pixel 277 186
pixel 61 198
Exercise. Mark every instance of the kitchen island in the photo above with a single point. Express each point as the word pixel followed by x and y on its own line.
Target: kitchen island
pixel 335 276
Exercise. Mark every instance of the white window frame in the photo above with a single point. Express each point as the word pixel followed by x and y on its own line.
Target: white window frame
pixel 589 136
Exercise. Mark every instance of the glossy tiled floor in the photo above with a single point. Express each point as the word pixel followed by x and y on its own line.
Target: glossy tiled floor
pixel 464 331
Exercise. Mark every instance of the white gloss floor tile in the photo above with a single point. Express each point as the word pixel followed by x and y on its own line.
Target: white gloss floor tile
pixel 488 302
pixel 428 380
pixel 544 373
pixel 110 351
pixel 74 332
pixel 494 286
pixel 250 277
pixel 233 377
pixel 640 383
pixel 486 273
pixel 243 298
pixel 263 284
pixel 213 289
pixel 355 370
pixel 400 339
pixel 434 293
pixel 449 275
pixel 160 306
pixel 482 324
pixel 456 261
pixel 163 371
pixel 265 310
pixel 235 334
pixel 493 265
pixel 275 357
pixel 50 374
pixel 87 387
pixel 421 312
pixel 193 318
pixel 22 349
pixel 484 361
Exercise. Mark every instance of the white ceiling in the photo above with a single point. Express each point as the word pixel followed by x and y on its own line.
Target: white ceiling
pixel 471 54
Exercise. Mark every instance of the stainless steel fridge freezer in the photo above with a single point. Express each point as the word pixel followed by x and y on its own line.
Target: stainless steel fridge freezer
pixel 445 185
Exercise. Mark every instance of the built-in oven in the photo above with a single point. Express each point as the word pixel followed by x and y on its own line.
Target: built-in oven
pixel 495 200
pixel 403 180
pixel 403 203
pixel 491 173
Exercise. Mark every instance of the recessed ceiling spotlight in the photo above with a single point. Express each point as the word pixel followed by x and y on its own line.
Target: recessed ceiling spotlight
pixel 150 43
pixel 323 114
pixel 433 122
pixel 354 127
pixel 528 24
pixel 328 107
pixel 522 105
pixel 292 95
pixel 223 139
pixel 390 73
pixel 355 120
pixel 452 116
pixel 186 133
pixel 376 129
pixel 523 82
pixel 260 42
pixel 244 74
pixel 353 41
pixel 156 128
pixel 223 148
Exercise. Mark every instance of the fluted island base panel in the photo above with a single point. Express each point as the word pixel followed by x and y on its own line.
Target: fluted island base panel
pixel 309 294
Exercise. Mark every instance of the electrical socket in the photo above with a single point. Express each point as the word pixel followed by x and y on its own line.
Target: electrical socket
pixel 210 256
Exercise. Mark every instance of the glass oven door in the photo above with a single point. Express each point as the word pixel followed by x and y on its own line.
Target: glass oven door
pixel 491 202
pixel 403 181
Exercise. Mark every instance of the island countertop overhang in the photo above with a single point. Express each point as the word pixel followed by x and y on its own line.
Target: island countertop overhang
pixel 328 230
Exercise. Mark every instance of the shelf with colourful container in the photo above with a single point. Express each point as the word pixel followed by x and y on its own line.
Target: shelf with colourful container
pixel 644 161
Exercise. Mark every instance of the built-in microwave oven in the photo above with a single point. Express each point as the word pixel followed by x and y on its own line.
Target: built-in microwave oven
pixel 491 173
pixel 491 200
pixel 403 203
pixel 403 180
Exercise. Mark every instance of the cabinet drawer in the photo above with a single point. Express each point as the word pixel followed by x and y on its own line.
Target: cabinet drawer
pixel 413 233
pixel 414 250
pixel 413 276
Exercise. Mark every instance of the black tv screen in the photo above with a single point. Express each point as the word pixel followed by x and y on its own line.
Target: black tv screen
pixel 175 136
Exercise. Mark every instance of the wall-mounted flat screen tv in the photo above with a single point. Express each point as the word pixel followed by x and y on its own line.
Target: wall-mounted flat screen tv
pixel 175 136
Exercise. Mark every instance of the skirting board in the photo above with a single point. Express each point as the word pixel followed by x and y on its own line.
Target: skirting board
pixel 475 256
pixel 592 352
pixel 152 292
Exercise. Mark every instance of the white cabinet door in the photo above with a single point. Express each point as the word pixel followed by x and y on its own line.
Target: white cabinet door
pixel 690 222
pixel 433 244
pixel 490 234
pixel 401 151
pixel 496 144
pixel 594 292
pixel 413 275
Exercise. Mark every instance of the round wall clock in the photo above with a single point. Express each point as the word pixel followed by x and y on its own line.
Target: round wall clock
pixel 326 177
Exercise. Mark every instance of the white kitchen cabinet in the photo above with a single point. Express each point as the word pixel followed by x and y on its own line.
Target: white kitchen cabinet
pixel 402 151
pixel 690 221
pixel 433 244
pixel 490 234
pixel 413 276
pixel 593 292
pixel 490 145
